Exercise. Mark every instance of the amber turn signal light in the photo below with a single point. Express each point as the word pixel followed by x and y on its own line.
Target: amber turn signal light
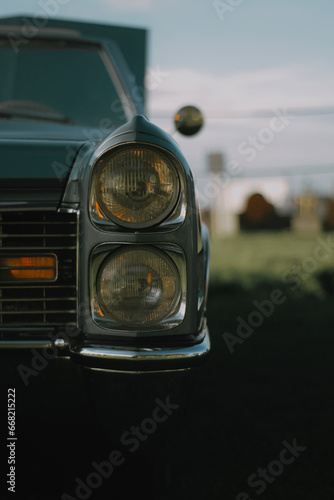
pixel 28 268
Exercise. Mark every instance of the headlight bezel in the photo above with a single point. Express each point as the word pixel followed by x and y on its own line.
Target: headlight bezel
pixel 171 218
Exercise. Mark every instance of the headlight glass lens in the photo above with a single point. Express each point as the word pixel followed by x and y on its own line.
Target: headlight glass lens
pixel 136 186
pixel 138 286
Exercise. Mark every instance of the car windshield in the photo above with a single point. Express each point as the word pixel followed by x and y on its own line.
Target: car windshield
pixel 58 81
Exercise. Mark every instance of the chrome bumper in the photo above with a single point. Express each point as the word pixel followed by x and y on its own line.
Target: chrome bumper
pixel 124 359
pixel 132 359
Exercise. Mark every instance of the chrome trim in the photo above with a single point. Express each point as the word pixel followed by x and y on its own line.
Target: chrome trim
pixel 25 344
pixel 40 299
pixel 26 206
pixel 69 235
pixel 30 223
pixel 69 209
pixel 134 372
pixel 156 358
pixel 127 105
pixel 61 343
pixel 77 269
pixel 18 326
pixel 41 311
pixel 44 248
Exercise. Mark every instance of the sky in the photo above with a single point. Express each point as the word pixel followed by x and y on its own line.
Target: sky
pixel 261 71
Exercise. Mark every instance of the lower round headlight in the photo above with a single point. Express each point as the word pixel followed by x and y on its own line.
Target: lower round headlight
pixel 136 186
pixel 138 286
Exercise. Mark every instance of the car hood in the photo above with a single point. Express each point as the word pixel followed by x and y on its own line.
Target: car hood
pixel 35 161
pixel 11 129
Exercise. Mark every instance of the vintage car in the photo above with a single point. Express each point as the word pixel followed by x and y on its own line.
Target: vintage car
pixel 103 258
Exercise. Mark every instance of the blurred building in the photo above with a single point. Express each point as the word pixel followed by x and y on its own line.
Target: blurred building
pixel 219 214
pixel 259 214
pixel 328 222
pixel 223 196
pixel 230 203
pixel 306 218
pixel 313 213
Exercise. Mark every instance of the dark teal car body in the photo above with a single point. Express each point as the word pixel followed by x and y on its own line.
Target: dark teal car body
pixel 72 96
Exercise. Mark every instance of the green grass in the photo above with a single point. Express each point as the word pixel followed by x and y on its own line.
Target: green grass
pixel 250 260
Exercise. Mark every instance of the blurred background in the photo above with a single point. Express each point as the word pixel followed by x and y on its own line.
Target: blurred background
pixel 262 73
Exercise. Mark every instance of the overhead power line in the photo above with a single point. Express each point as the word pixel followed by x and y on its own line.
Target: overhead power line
pixel 217 115
pixel 287 171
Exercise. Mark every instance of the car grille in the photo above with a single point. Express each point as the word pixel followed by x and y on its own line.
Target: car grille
pixel 33 304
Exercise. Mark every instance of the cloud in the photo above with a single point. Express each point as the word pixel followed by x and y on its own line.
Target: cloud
pixel 265 89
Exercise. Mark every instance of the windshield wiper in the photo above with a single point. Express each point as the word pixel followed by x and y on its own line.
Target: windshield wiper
pixel 34 115
pixel 9 110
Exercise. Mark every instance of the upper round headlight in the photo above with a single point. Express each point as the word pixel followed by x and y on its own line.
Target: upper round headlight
pixel 136 186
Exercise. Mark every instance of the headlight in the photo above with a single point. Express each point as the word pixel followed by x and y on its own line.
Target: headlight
pixel 136 186
pixel 138 286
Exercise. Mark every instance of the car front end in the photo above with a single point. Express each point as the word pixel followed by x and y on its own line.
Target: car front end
pixel 103 258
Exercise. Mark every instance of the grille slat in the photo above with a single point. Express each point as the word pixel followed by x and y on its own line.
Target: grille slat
pixel 43 247
pixel 44 324
pixel 43 311
pixel 39 300
pixel 13 223
pixel 40 235
pixel 37 304
pixel 44 287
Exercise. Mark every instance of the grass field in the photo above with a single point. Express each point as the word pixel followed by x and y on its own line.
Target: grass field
pixel 249 259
